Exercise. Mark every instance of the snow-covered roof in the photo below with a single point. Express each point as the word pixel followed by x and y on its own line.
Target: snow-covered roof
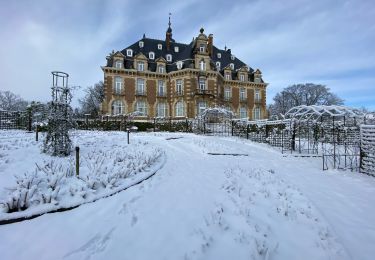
pixel 315 112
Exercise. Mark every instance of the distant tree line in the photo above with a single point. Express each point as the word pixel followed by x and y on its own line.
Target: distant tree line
pixel 12 102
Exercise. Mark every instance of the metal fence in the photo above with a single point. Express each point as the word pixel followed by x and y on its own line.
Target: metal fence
pixel 368 149
pixel 14 120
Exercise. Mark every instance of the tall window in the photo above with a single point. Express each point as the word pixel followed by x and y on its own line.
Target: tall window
pixel 227 93
pixel 118 85
pixel 243 113
pixel 257 95
pixel 242 77
pixel 180 109
pixel 118 64
pixel 202 84
pixel 141 87
pixel 161 88
pixel 141 107
pixel 227 76
pixel 161 68
pixel 117 107
pixel 242 94
pixel 202 105
pixel 202 65
pixel 179 87
pixel 161 110
pixel 257 113
pixel 140 66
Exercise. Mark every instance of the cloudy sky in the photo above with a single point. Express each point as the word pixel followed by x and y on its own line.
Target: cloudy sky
pixel 320 41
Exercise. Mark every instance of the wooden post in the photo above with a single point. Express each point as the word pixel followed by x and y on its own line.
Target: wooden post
pixel 36 133
pixel 128 135
pixel 77 160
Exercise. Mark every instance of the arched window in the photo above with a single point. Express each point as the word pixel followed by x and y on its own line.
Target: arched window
pixel 218 65
pixel 231 66
pixel 151 55
pixel 117 107
pixel 243 113
pixel 141 107
pixel 202 65
pixel 169 57
pixel 161 110
pixel 180 108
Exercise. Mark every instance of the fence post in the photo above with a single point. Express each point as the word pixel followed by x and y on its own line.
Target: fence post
pixel 247 131
pixel 154 124
pixel 36 133
pixel 128 135
pixel 29 125
pixel 232 127
pixel 187 125
pixel 77 160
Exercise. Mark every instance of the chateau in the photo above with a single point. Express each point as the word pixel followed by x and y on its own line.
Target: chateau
pixel 163 78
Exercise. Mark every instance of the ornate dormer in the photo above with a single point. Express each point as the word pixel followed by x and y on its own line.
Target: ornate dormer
pixel 140 62
pixel 242 74
pixel 117 59
pixel 258 76
pixel 202 59
pixel 161 65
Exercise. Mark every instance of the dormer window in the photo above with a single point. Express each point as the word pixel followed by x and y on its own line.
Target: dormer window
pixel 169 57
pixel 141 44
pixel 242 77
pixel 232 57
pixel 140 66
pixel 218 64
pixel 151 55
pixel 227 76
pixel 161 68
pixel 176 49
pixel 160 47
pixel 202 65
pixel 118 64
pixel 201 48
pixel 129 52
pixel 219 55
pixel 231 66
pixel 179 65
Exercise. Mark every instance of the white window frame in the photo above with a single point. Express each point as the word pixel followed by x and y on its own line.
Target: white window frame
pixel 227 76
pixel 140 90
pixel 161 88
pixel 151 55
pixel 227 93
pixel 242 94
pixel 160 47
pixel 201 48
pixel 218 65
pixel 201 106
pixel 141 44
pixel 117 107
pixel 176 49
pixel 161 68
pixel 231 66
pixel 129 52
pixel 180 109
pixel 232 57
pixel 168 57
pixel 179 65
pixel 242 77
pixel 162 109
pixel 118 85
pixel 202 65
pixel 243 113
pixel 179 87
pixel 202 84
pixel 257 95
pixel 141 106
pixel 257 113
pixel 219 55
pixel 140 66
pixel 118 64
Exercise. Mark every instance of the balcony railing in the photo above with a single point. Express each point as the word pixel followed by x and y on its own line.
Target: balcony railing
pixel 179 93
pixel 258 101
pixel 162 94
pixel 227 99
pixel 243 99
pixel 118 93
pixel 140 93
pixel 204 92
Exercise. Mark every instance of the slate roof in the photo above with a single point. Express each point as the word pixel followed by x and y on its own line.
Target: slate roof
pixel 184 54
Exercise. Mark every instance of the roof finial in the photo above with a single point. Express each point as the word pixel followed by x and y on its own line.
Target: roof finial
pixel 169 22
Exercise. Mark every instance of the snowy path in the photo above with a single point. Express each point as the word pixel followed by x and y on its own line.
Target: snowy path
pixel 198 206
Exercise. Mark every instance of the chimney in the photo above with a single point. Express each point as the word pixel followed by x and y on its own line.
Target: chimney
pixel 210 44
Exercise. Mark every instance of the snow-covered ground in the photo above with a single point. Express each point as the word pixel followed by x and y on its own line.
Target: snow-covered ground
pixel 201 206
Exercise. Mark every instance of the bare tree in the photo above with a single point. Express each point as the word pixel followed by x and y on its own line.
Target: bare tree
pixel 12 102
pixel 94 96
pixel 303 94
